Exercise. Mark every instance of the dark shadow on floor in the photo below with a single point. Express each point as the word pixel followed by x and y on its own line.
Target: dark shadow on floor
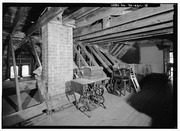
pixel 156 100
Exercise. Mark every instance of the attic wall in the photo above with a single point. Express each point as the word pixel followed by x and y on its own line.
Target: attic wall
pixel 132 55
pixel 151 55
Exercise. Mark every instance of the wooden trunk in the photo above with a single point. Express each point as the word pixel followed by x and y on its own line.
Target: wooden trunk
pixel 93 72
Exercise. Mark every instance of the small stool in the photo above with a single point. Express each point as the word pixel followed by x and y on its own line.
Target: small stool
pixel 126 86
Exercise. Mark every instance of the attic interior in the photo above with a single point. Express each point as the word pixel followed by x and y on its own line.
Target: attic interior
pixel 89 66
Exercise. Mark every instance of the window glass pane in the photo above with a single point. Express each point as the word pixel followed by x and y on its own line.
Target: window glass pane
pixel 25 70
pixel 171 57
pixel 171 60
pixel 12 71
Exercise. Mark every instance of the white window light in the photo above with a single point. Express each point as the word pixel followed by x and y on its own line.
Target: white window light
pixel 12 71
pixel 25 70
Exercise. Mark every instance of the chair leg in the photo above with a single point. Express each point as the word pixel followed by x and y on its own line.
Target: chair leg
pixel 124 88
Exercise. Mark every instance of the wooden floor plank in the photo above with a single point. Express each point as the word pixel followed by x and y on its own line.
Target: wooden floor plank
pixel 139 120
pixel 119 112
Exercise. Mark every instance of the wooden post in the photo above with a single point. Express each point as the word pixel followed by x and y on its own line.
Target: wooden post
pixel 102 56
pixel 8 65
pixel 80 56
pixel 79 61
pixel 16 77
pixel 35 52
pixel 100 59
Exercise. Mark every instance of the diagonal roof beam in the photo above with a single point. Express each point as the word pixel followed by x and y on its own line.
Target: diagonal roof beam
pixel 81 12
pixel 48 16
pixel 18 17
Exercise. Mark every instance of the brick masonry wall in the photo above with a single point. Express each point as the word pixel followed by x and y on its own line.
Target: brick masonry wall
pixel 57 56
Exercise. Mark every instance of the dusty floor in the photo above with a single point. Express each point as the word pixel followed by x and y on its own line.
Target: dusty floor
pixel 152 107
pixel 117 113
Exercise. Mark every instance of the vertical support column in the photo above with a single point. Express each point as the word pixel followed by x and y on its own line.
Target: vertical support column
pixel 16 77
pixel 8 58
pixel 57 56
pixel 106 22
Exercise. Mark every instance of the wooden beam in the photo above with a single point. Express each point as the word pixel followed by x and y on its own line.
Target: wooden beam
pixel 98 14
pixel 48 16
pixel 18 17
pixel 131 27
pixel 118 49
pixel 115 59
pixel 80 56
pixel 110 58
pixel 35 53
pixel 132 32
pixel 89 56
pixel 80 13
pixel 16 77
pixel 8 58
pixel 106 22
pixel 100 59
pixel 141 14
pixel 123 51
pixel 86 30
pixel 102 56
pixel 141 35
pixel 112 50
pixel 154 16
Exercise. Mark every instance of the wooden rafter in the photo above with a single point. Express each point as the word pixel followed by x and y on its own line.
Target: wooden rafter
pixel 87 53
pixel 80 56
pixel 102 56
pixel 48 16
pixel 80 13
pixel 86 25
pixel 100 59
pixel 131 21
pixel 98 14
pixel 117 49
pixel 18 17
pixel 131 37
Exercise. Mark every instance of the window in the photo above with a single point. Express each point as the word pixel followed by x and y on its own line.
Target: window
pixel 171 57
pixel 171 60
pixel 12 71
pixel 25 70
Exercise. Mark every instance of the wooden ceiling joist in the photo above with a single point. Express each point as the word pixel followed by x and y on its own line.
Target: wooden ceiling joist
pixel 141 18
pixel 98 14
pixel 133 37
pixel 81 12
pixel 128 33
